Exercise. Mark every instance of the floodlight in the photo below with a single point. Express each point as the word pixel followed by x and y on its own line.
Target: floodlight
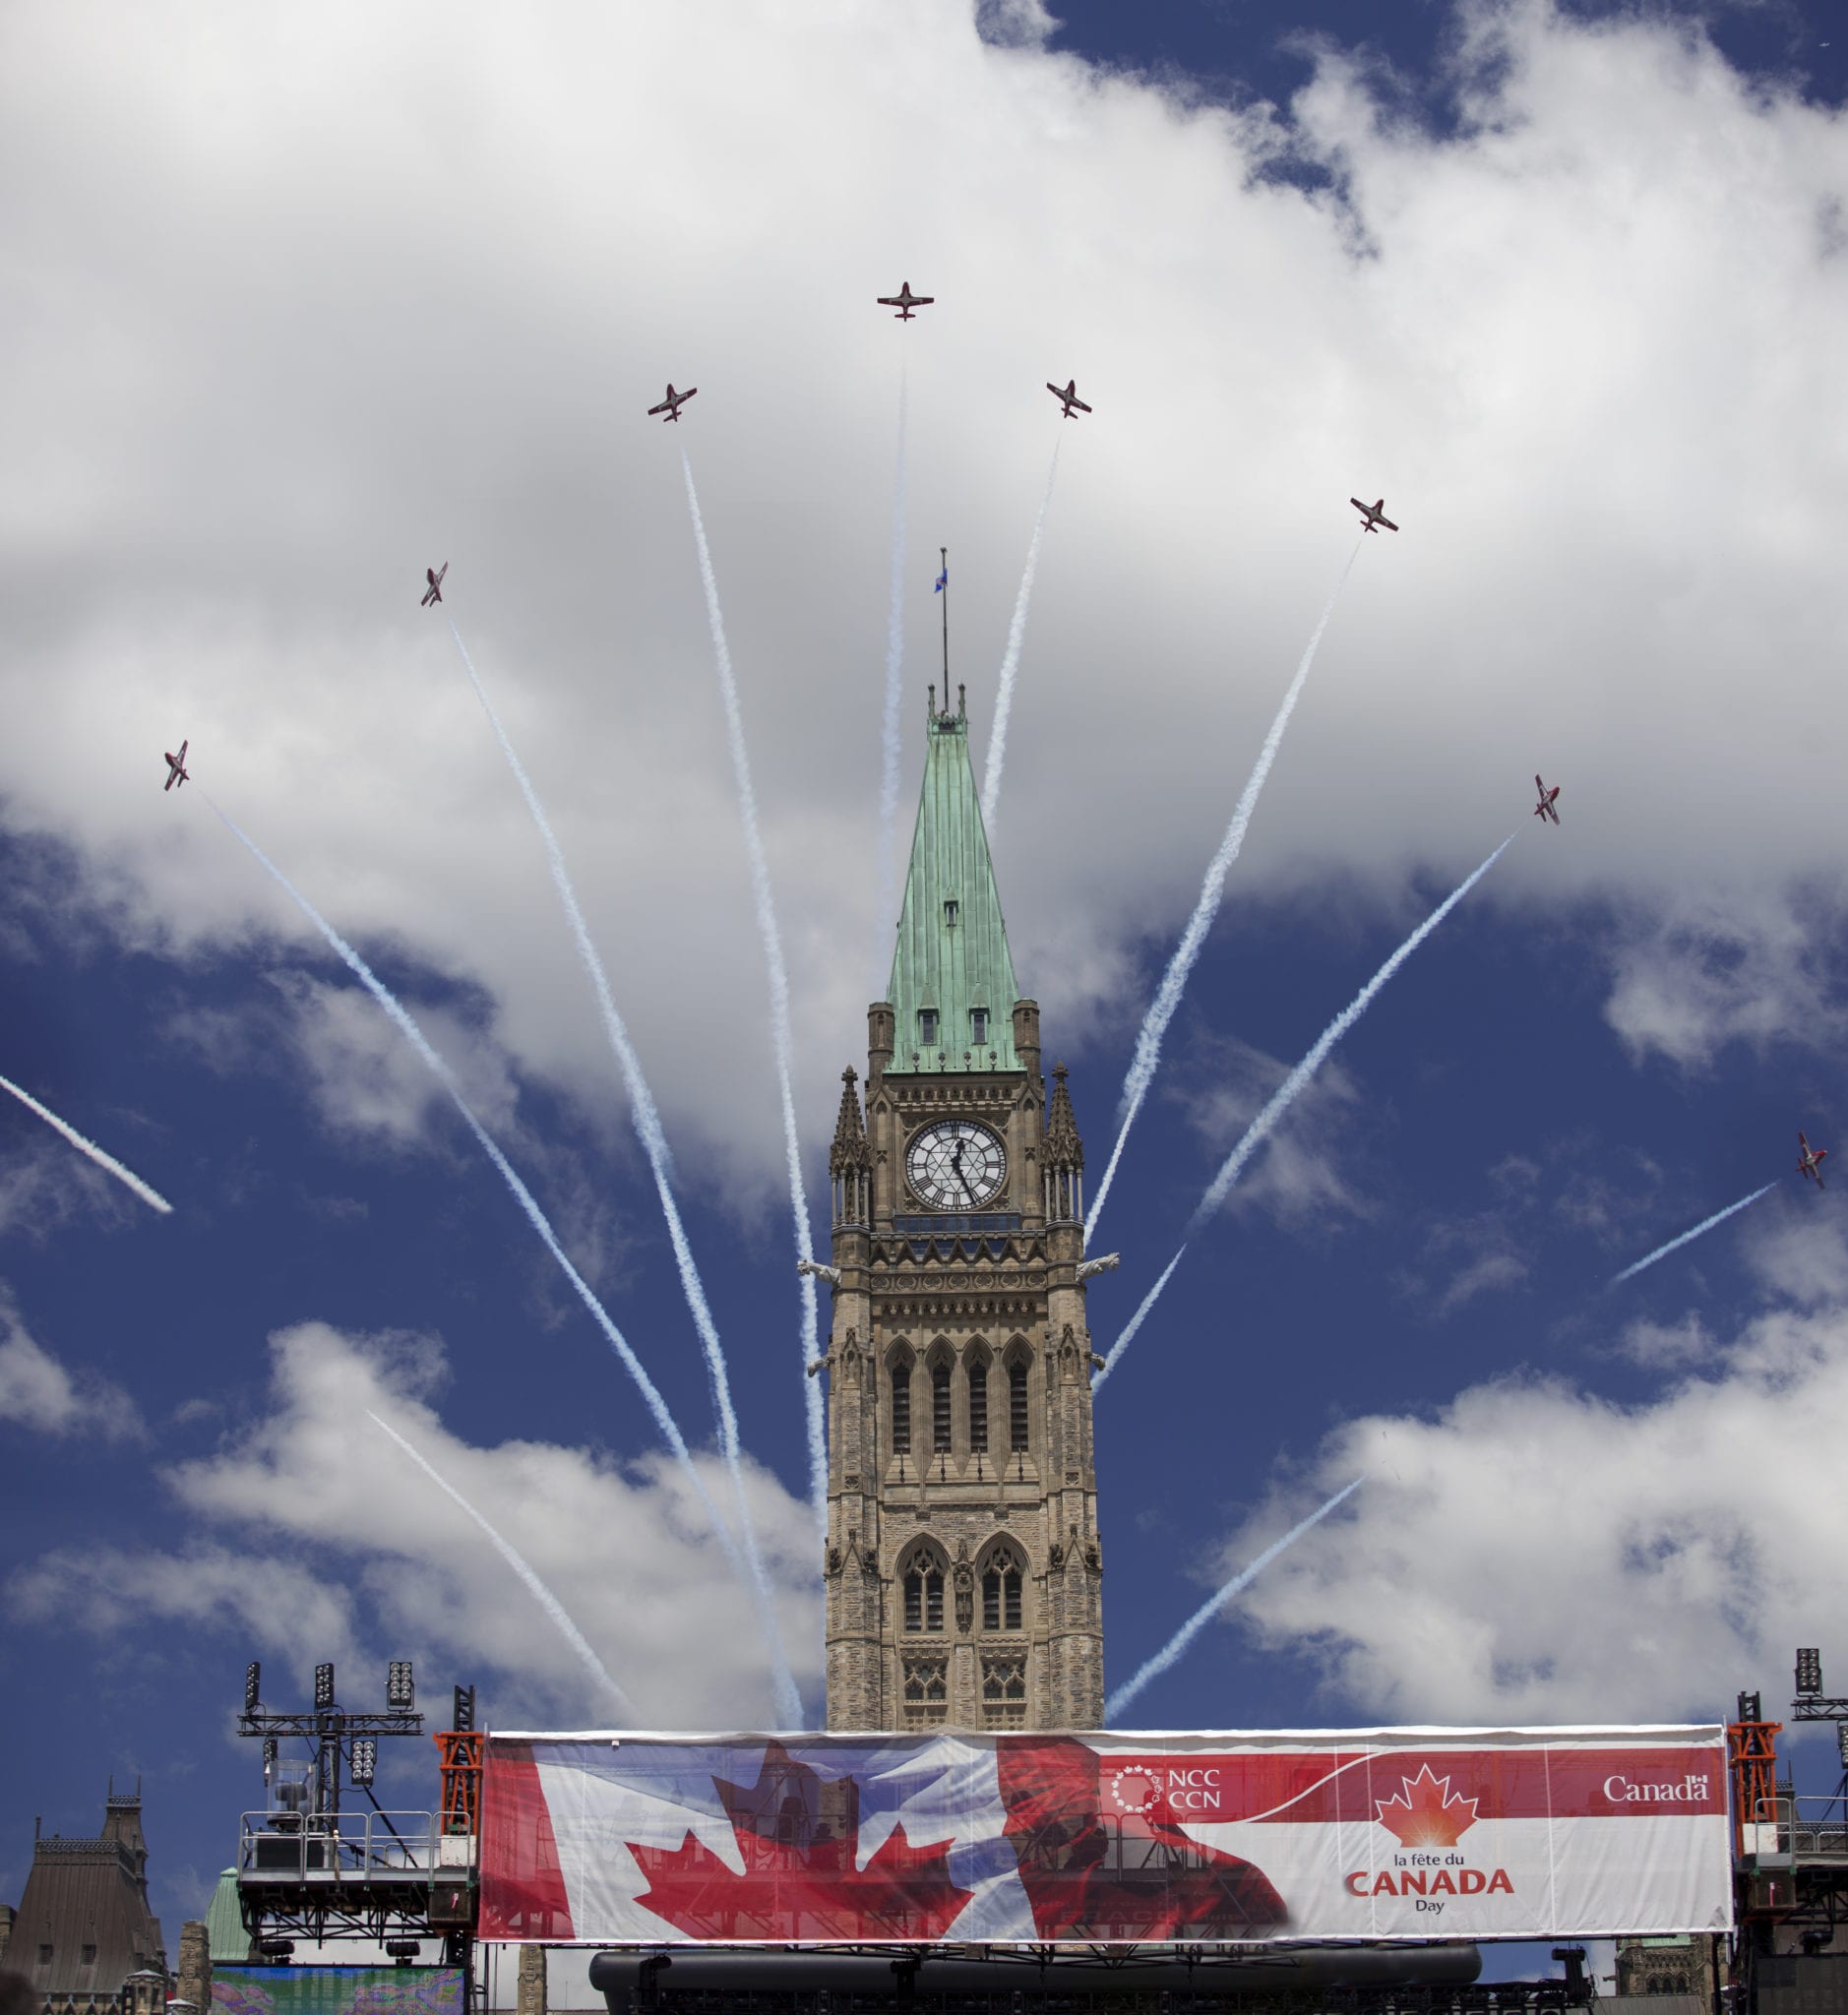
pixel 1750 1707
pixel 268 1756
pixel 463 1717
pixel 324 1688
pixel 253 1686
pixel 365 1759
pixel 400 1694
pixel 1809 1670
pixel 1841 1742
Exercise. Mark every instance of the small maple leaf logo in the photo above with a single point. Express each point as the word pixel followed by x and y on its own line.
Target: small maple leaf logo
pixel 799 1837
pixel 1425 1814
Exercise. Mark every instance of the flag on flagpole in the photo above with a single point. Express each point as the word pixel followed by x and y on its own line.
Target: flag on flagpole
pixel 943 582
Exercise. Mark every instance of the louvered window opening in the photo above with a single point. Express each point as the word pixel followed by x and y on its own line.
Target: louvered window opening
pixel 978 1404
pixel 1016 1408
pixel 924 1599
pixel 901 1408
pixel 1000 1594
pixel 939 1408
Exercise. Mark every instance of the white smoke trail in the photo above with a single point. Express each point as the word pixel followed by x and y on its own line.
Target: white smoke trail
pixel 1011 659
pixel 1134 1323
pixel 542 1594
pixel 89 1147
pixel 1705 1225
pixel 1161 1009
pixel 381 993
pixel 779 997
pixel 1202 1616
pixel 888 885
pixel 1291 1089
pixel 1292 1086
pixel 648 1125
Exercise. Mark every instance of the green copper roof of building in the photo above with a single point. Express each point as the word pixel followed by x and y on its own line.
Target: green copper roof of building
pixel 953 987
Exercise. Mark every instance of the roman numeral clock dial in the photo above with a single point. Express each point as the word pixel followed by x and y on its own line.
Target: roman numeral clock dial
pixel 955 1165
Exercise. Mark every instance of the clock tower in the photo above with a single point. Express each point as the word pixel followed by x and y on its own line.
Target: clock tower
pixel 963 1567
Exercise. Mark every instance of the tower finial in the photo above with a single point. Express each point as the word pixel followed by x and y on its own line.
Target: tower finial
pixel 943 589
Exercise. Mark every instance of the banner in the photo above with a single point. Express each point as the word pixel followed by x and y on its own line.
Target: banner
pixel 1211 1838
pixel 337 1991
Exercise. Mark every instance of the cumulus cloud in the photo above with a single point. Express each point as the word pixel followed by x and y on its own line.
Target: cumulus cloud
pixel 37 1393
pixel 316 1532
pixel 1532 1552
pixel 1612 294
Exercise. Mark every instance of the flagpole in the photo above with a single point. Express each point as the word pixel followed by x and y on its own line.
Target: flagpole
pixel 942 554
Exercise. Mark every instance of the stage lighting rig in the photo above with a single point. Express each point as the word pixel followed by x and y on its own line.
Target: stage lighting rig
pixel 337 1736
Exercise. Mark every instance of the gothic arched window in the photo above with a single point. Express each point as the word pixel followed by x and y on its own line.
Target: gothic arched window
pixel 940 1405
pixel 1003 1577
pixel 1017 1403
pixel 902 1402
pixel 922 1576
pixel 978 1399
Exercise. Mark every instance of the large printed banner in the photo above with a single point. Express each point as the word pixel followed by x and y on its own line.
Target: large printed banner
pixel 1213 1839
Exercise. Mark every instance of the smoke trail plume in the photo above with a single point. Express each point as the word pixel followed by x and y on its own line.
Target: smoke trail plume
pixel 86 1146
pixel 1202 1616
pixel 1707 1224
pixel 542 1594
pixel 1292 1086
pixel 1161 1009
pixel 779 997
pixel 888 885
pixel 381 993
pixel 1011 659
pixel 1135 1323
pixel 648 1125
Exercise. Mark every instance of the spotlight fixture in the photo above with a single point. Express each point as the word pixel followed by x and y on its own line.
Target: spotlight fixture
pixel 401 1692
pixel 253 1686
pixel 365 1759
pixel 324 1688
pixel 1841 1742
pixel 1809 1670
pixel 269 1757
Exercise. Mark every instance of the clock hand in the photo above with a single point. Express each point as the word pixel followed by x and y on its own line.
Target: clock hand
pixel 955 1162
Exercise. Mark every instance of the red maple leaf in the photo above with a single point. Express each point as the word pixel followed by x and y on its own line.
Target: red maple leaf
pixel 800 1835
pixel 1425 1814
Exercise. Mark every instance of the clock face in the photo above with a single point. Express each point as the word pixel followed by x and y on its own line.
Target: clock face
pixel 955 1165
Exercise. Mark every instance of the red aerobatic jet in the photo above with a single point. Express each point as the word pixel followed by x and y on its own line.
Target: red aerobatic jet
pixel 1373 514
pixel 434 592
pixel 1809 1162
pixel 1069 397
pixel 672 403
pixel 905 300
pixel 1544 809
pixel 176 768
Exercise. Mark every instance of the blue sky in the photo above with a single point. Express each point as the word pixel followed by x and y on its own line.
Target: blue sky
pixel 287 322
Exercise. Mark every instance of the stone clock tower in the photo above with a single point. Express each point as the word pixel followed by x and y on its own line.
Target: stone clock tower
pixel 963 1568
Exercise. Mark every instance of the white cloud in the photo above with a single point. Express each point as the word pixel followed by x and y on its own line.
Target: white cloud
pixel 1727 966
pixel 464 263
pixel 324 1528
pixel 1533 1552
pixel 37 1393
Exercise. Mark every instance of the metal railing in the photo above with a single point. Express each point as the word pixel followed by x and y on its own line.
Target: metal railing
pixel 348 1847
pixel 1808 1827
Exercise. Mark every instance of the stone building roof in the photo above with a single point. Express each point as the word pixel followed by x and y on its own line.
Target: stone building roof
pixel 83 1924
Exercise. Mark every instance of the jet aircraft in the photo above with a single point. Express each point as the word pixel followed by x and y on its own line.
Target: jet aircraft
pixel 1373 514
pixel 1809 1162
pixel 434 592
pixel 672 403
pixel 1069 397
pixel 1544 809
pixel 176 768
pixel 905 300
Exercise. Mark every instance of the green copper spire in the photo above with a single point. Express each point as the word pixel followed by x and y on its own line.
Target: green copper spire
pixel 953 990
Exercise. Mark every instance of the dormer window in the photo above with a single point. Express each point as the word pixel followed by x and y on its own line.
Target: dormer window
pixel 950 907
pixel 979 1025
pixel 927 1027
